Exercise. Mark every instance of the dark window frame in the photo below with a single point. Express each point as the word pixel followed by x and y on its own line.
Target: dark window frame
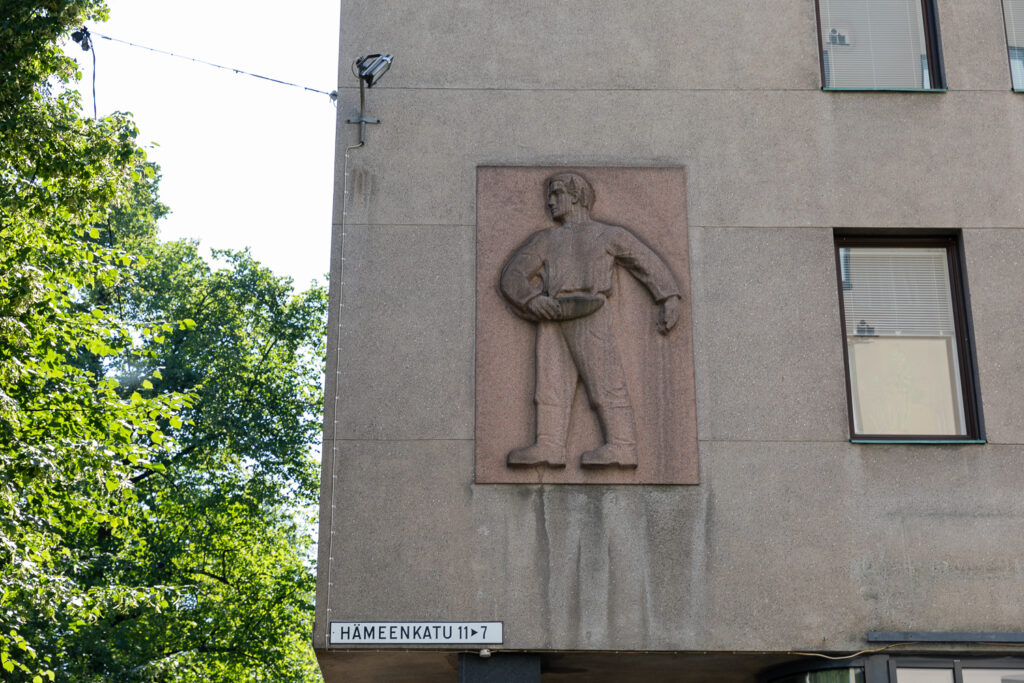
pixel 954 664
pixel 1014 52
pixel 952 241
pixel 880 668
pixel 1011 50
pixel 933 47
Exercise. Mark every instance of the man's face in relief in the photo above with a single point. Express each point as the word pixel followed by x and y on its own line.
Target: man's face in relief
pixel 559 201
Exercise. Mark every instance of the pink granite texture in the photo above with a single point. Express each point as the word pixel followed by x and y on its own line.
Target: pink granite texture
pixel 651 203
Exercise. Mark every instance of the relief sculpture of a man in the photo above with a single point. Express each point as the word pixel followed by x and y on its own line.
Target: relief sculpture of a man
pixel 561 279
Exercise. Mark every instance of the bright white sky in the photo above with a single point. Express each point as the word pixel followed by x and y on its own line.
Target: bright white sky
pixel 245 162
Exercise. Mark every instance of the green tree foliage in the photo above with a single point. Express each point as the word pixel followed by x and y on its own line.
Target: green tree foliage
pixel 156 414
pixel 256 346
pixel 223 538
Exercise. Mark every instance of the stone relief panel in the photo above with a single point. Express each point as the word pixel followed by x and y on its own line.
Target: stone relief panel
pixel 584 369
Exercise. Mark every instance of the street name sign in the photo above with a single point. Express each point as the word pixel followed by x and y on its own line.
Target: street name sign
pixel 416 632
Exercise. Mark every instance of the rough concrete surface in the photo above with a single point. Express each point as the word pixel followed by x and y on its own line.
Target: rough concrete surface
pixel 995 266
pixel 408 317
pixel 769 358
pixel 783 546
pixel 600 44
pixel 795 539
pixel 753 158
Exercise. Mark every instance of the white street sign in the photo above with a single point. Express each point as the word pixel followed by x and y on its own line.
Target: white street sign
pixel 416 632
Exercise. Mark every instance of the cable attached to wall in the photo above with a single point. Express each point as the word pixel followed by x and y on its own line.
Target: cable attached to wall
pixel 368 69
pixel 333 94
pixel 337 374
pixel 83 37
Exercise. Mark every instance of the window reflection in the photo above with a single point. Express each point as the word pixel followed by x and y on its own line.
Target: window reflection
pixel 924 676
pixel 993 675
pixel 852 675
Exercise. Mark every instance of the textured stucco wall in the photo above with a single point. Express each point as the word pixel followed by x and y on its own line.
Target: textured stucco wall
pixel 795 538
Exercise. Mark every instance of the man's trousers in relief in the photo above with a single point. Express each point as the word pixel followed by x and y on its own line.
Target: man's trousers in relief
pixel 583 349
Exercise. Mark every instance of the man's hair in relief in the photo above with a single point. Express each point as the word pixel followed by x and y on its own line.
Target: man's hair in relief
pixel 577 185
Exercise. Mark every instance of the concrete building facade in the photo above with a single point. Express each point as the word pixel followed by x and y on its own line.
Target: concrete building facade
pixel 805 537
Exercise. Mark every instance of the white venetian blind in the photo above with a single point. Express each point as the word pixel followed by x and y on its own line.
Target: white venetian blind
pixel 897 291
pixel 874 44
pixel 1013 10
pixel 901 342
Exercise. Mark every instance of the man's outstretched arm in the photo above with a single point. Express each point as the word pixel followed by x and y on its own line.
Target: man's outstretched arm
pixel 648 267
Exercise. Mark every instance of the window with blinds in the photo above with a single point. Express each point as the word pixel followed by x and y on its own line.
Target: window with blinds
pixel 1013 13
pixel 846 675
pixel 918 669
pixel 880 45
pixel 951 674
pixel 908 369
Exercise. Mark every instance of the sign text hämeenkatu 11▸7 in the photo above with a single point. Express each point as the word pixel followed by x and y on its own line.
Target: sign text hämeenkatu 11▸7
pixel 416 632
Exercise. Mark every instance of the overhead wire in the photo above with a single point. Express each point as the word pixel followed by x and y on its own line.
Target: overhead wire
pixel 333 94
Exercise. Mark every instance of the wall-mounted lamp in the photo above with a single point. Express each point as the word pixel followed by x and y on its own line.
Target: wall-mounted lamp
pixel 368 69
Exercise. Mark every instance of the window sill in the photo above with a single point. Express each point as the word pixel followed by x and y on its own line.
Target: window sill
pixel 865 89
pixel 937 442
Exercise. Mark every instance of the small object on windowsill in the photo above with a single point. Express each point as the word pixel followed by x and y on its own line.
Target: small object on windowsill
pixel 837 38
pixel 865 330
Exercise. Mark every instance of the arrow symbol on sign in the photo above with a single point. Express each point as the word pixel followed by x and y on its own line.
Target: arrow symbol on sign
pixel 473 632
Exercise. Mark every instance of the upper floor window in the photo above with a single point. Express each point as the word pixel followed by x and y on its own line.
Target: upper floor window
pixel 845 675
pixel 952 674
pixel 910 368
pixel 880 45
pixel 886 669
pixel 1013 13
